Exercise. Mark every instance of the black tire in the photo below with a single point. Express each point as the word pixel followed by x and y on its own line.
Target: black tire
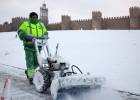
pixel 41 80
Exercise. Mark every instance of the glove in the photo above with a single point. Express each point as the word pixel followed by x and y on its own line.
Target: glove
pixel 30 38
pixel 33 39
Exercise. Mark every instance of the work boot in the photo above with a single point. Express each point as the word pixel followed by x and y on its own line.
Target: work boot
pixel 30 81
pixel 26 74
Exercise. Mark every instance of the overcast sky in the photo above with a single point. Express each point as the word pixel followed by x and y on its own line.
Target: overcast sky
pixel 77 9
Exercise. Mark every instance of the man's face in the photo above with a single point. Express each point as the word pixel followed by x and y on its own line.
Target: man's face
pixel 34 19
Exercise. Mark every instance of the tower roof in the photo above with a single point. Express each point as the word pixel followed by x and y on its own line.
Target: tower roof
pixel 44 4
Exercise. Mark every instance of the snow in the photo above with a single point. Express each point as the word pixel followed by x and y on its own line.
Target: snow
pixel 113 54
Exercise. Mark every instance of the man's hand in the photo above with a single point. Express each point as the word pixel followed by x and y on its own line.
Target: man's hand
pixel 33 39
pixel 29 37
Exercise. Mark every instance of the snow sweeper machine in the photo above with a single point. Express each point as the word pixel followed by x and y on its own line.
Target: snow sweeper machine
pixel 57 75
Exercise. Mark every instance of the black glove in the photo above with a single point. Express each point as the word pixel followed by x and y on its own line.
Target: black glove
pixel 29 38
pixel 33 39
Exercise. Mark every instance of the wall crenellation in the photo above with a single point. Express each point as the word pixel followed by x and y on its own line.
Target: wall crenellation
pixel 116 18
pixel 81 20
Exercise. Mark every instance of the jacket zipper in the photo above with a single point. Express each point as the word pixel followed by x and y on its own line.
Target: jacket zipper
pixel 36 30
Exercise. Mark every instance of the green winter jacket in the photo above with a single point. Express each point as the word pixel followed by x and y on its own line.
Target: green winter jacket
pixel 36 30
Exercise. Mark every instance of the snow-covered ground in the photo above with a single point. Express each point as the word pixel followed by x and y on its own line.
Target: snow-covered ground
pixel 110 54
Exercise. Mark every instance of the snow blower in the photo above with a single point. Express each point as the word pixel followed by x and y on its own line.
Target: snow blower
pixel 54 73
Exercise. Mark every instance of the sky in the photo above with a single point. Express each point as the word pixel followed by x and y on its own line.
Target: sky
pixel 77 9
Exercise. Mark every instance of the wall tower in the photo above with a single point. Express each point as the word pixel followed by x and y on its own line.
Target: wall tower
pixel 134 17
pixel 66 20
pixel 96 20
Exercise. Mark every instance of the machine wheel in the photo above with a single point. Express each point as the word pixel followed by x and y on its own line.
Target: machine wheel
pixel 41 80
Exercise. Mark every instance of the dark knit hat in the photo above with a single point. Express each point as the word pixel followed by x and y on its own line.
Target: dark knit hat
pixel 32 14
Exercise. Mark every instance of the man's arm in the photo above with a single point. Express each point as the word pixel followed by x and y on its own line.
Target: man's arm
pixel 21 31
pixel 22 34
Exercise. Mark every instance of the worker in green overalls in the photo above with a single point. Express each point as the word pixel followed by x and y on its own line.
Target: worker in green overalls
pixel 28 31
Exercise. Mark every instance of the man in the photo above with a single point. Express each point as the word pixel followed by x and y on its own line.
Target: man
pixel 28 31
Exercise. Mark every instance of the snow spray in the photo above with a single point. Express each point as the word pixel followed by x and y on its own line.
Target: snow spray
pixel 99 93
